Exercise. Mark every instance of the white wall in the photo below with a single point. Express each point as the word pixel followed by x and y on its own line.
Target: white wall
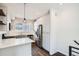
pixel 15 10
pixel 66 27
pixel 45 21
pixel 52 32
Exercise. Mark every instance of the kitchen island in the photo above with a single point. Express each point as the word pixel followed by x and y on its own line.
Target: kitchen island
pixel 16 47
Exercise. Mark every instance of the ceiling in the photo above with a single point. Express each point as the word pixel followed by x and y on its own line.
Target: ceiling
pixel 33 10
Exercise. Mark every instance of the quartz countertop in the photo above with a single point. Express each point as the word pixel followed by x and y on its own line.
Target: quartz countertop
pixel 5 43
pixel 2 32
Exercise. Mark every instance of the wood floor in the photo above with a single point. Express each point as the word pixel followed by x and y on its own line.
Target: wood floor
pixel 58 54
pixel 36 51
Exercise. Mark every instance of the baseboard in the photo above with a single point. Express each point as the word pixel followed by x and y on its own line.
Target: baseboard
pixel 58 54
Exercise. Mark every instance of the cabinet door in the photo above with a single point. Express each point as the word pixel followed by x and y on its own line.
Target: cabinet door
pixel 21 50
pixel 46 40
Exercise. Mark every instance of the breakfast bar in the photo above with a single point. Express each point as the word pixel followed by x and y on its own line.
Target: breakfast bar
pixel 16 47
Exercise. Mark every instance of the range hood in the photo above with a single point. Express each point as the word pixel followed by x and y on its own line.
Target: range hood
pixel 2 13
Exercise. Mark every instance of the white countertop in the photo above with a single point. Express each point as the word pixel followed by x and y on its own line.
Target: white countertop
pixel 14 42
pixel 15 33
pixel 2 32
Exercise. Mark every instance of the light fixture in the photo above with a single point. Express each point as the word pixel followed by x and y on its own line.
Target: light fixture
pixel 24 12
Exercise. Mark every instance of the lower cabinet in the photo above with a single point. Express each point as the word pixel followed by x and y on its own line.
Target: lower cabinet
pixel 19 50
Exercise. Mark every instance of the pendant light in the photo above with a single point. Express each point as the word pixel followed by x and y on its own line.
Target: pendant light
pixel 24 12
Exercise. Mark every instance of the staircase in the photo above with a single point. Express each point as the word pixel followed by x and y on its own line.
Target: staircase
pixel 74 51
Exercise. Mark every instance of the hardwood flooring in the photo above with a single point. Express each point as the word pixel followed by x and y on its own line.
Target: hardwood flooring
pixel 58 54
pixel 36 51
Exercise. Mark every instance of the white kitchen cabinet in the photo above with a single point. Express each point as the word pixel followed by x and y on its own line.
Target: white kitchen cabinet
pixel 16 47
